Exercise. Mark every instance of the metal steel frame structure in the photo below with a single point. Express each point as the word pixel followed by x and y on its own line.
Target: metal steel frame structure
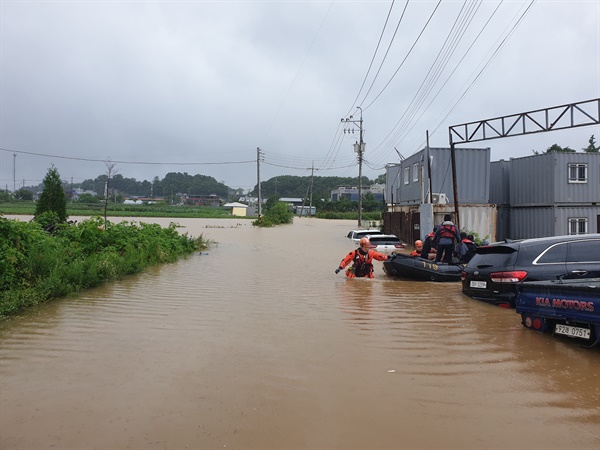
pixel 554 118
pixel 541 120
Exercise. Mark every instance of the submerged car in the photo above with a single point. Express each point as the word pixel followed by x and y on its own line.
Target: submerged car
pixel 357 235
pixel 385 243
pixel 496 270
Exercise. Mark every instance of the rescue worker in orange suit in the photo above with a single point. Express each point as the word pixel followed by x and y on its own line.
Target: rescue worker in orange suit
pixel 418 248
pixel 362 259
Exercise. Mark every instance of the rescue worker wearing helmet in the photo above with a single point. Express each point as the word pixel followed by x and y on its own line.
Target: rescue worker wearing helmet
pixel 362 259
pixel 418 248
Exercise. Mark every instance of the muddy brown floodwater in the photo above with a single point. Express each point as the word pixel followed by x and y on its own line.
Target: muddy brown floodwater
pixel 256 343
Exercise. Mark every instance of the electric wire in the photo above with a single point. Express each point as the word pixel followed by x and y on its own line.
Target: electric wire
pixel 386 53
pixel 169 163
pixel 298 71
pixel 455 35
pixel 450 76
pixel 470 86
pixel 406 57
pixel 374 55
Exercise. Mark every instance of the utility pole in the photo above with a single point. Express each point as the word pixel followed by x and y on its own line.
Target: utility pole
pixel 359 149
pixel 14 173
pixel 258 156
pixel 429 170
pixel 312 173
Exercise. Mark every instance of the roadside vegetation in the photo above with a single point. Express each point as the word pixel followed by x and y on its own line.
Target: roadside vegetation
pixel 123 210
pixel 49 257
pixel 37 265
pixel 276 213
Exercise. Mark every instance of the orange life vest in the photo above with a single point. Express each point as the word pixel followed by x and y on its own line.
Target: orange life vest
pixel 363 264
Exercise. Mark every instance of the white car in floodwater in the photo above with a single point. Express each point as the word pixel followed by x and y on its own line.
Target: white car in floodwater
pixel 356 235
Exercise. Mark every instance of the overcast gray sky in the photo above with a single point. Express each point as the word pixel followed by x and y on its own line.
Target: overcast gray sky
pixel 197 86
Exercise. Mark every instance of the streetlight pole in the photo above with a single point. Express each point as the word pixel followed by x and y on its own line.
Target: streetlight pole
pixel 359 148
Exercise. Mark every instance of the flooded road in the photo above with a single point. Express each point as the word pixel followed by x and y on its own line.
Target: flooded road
pixel 257 343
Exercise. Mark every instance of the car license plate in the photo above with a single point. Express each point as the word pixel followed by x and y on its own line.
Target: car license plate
pixel 478 284
pixel 568 330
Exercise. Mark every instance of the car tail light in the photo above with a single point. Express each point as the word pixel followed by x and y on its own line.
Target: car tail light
pixel 508 277
pixel 463 276
pixel 399 245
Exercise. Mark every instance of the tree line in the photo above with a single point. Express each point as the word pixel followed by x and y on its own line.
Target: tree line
pixel 555 148
pixel 176 184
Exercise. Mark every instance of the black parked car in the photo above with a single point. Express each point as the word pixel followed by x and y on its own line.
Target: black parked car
pixel 496 270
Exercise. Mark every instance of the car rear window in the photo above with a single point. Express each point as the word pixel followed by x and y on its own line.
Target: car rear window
pixel 494 256
pixel 383 240
pixel 362 234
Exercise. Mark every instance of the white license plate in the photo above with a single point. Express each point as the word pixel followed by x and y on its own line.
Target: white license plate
pixel 568 330
pixel 478 284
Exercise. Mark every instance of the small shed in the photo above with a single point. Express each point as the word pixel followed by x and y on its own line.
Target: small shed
pixel 237 209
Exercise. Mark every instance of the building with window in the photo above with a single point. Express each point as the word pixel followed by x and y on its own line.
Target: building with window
pixel 549 194
pixel 351 192
pixel 203 200
pixel 418 194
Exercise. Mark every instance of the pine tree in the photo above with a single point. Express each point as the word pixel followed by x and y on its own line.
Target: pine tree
pixel 591 148
pixel 53 198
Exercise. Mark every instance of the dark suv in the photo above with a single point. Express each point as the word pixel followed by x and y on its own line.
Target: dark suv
pixel 496 270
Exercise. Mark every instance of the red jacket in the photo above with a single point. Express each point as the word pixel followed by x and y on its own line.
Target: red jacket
pixel 361 263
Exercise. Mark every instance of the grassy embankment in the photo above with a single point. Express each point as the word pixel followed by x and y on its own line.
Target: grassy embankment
pixel 121 210
pixel 184 211
pixel 37 266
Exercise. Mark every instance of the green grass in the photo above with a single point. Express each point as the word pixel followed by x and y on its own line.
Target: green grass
pixel 121 210
pixel 38 266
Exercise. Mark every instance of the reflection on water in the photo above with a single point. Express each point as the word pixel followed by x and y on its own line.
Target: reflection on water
pixel 257 343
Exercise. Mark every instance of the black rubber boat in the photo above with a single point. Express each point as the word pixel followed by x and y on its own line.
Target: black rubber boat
pixel 415 268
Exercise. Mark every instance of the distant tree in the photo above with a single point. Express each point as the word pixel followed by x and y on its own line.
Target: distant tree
pixel 380 179
pixel 278 213
pixel 53 198
pixel 24 194
pixel 271 202
pixel 88 198
pixel 369 203
pixel 592 147
pixel 555 148
pixel 4 196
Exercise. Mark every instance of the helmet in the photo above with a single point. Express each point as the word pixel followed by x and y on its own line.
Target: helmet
pixel 418 243
pixel 364 241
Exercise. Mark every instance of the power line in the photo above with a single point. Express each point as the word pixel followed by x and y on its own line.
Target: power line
pixel 375 54
pixel 386 54
pixel 448 48
pixel 498 48
pixel 77 158
pixel 406 57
